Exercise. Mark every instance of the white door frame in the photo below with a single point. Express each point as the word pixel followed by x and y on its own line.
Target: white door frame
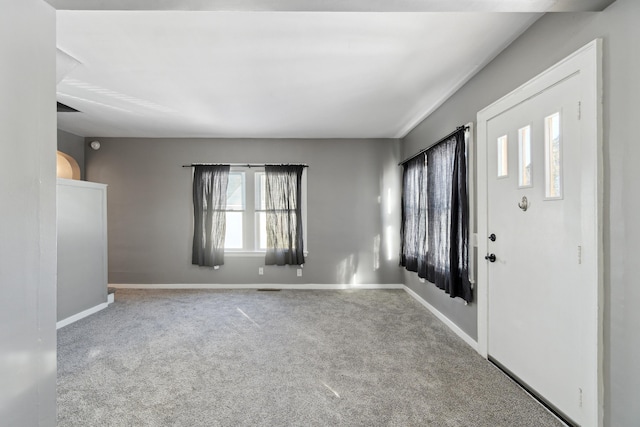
pixel 587 62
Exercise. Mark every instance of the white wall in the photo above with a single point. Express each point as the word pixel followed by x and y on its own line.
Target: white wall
pixel 549 40
pixel 27 214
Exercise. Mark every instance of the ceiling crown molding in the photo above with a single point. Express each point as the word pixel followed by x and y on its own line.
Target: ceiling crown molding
pixel 337 5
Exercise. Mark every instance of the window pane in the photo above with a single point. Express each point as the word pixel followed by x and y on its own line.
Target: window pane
pixel 552 151
pixel 233 235
pixel 503 156
pixel 261 221
pixel 235 191
pixel 261 183
pixel 524 157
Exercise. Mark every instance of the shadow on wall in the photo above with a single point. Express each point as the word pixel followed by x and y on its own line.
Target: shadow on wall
pixel 382 258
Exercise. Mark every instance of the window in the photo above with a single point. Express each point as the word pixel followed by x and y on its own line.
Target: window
pixel 524 157
pixel 503 156
pixel 435 216
pixel 234 236
pixel 553 157
pixel 261 206
pixel 246 210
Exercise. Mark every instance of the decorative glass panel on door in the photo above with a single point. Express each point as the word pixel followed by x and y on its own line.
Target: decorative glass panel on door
pixel 553 157
pixel 524 157
pixel 503 156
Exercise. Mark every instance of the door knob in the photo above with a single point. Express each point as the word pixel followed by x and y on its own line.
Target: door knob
pixel 491 257
pixel 524 204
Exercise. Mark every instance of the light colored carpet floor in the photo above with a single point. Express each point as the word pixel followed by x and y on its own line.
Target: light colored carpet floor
pixel 288 358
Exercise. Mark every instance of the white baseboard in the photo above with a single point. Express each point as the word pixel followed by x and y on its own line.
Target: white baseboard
pixel 309 286
pixel 462 334
pixel 88 312
pixel 111 298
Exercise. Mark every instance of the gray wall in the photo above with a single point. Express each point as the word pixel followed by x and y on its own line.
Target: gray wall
pixel 549 40
pixel 27 214
pixel 352 203
pixel 82 246
pixel 74 146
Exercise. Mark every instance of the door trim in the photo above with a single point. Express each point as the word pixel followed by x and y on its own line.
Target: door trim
pixel 587 62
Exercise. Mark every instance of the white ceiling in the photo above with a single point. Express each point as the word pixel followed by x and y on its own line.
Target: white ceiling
pixel 276 74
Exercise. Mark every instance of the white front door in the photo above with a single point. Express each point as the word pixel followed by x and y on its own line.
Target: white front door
pixel 541 184
pixel 535 298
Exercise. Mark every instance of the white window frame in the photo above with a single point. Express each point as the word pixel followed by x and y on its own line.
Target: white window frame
pixel 251 237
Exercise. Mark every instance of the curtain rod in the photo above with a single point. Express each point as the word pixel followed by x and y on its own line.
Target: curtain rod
pixel 433 145
pixel 245 165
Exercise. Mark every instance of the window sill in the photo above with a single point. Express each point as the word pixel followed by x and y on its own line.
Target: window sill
pixel 250 254
pixel 244 253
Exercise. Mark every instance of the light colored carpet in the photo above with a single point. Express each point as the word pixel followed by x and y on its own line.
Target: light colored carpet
pixel 288 358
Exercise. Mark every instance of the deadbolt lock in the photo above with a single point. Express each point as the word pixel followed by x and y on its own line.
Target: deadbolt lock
pixel 491 257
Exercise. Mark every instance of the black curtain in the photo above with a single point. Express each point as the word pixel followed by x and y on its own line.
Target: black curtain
pixel 448 217
pixel 413 228
pixel 209 214
pixel 439 254
pixel 283 196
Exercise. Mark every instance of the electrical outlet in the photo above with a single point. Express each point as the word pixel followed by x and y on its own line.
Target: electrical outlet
pixel 299 272
pixel 260 271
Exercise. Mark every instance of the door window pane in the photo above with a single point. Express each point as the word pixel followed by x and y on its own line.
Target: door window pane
pixel 503 156
pixel 553 157
pixel 524 157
